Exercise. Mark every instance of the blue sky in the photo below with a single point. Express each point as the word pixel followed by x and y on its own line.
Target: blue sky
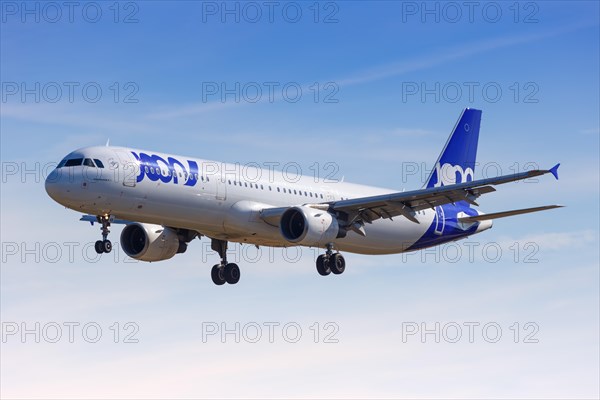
pixel 542 56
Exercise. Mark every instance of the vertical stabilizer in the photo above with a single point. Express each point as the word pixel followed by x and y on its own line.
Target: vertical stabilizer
pixel 456 163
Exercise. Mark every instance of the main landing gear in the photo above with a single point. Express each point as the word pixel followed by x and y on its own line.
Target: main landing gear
pixel 104 245
pixel 223 272
pixel 330 262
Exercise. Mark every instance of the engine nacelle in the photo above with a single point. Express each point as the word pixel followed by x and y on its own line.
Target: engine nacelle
pixel 147 242
pixel 308 226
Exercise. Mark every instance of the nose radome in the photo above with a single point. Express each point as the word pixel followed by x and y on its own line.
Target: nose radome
pixel 52 185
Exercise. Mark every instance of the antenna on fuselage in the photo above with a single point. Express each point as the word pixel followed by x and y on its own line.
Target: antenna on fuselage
pixel 107 142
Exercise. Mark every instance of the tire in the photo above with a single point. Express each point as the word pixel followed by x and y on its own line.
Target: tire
pixel 99 247
pixel 322 266
pixel 107 246
pixel 232 273
pixel 218 275
pixel 337 263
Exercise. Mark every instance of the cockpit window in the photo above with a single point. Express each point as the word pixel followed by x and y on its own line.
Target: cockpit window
pixel 74 162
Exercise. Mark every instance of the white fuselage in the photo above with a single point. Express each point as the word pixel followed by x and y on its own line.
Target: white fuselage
pixel 218 200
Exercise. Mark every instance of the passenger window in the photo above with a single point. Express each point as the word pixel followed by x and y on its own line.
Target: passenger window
pixel 74 162
pixel 321 195
pixel 295 191
pixel 278 189
pixel 261 187
pixel 310 193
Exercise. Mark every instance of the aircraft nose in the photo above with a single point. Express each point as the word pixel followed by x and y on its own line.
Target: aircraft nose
pixel 52 185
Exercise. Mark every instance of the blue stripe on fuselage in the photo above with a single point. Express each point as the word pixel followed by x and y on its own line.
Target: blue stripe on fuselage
pixel 445 226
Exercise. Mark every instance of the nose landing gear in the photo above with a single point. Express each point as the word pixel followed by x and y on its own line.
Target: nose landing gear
pixel 104 245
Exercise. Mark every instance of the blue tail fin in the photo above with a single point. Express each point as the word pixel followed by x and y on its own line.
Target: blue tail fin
pixel 456 163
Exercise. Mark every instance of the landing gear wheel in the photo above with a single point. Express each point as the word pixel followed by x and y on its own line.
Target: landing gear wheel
pixel 323 266
pixel 337 263
pixel 218 274
pixel 106 246
pixel 232 273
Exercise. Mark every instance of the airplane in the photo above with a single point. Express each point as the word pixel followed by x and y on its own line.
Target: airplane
pixel 165 201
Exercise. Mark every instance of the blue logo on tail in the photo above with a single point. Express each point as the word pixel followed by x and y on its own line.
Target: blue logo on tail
pixel 456 163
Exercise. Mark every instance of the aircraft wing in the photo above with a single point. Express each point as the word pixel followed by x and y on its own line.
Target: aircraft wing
pixel 368 209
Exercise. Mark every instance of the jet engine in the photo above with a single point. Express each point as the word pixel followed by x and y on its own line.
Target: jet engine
pixel 147 242
pixel 309 226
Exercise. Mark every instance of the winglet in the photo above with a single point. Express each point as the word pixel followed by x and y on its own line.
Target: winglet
pixel 554 170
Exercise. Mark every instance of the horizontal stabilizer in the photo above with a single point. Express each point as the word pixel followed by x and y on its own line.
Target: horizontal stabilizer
pixel 503 214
